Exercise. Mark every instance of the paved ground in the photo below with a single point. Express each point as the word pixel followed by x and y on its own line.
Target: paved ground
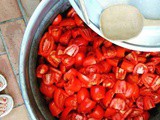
pixel 14 15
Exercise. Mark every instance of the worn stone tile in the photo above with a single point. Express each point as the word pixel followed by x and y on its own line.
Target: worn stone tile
pixel 9 9
pixel 29 6
pixel 1 46
pixel 12 87
pixel 18 113
pixel 13 34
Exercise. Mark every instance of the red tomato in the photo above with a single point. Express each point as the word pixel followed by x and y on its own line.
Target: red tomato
pixel 147 79
pixel 70 74
pixel 132 57
pixel 71 50
pixel 129 90
pixel 90 60
pixel 113 62
pixel 98 113
pixel 83 78
pixel 79 58
pixel 148 103
pixel 98 42
pixel 136 112
pixel 78 21
pixel 67 22
pixel 82 94
pixel 108 97
pixel 86 105
pixel 120 73
pixel 59 98
pixel 41 70
pixel 155 85
pixel 151 67
pixel 128 66
pixel 75 32
pixel 140 68
pixel 48 79
pixel 71 101
pixel 46 45
pixel 53 59
pixel 108 80
pixel 47 90
pixel 86 34
pixel 109 52
pixel 65 37
pixel 120 52
pixel 120 86
pixel 73 85
pixel 54 109
pixel 57 20
pixel 133 78
pixel 107 43
pixel 118 103
pixel 139 102
pixel 55 32
pixel 65 113
pixel 110 112
pixel 97 92
pixel 68 61
pixel 71 13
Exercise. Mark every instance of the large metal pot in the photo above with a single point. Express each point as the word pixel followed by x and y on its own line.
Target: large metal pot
pixel 40 20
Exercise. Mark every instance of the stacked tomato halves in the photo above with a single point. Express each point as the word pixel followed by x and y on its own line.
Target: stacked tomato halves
pixel 85 77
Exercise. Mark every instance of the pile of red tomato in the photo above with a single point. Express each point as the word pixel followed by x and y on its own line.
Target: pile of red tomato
pixel 85 77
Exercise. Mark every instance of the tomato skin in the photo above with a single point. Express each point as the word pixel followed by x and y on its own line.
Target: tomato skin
pixel 120 87
pixel 57 20
pixel 75 33
pixel 59 98
pixel 46 45
pixel 128 66
pixel 54 109
pixel 73 85
pixel 71 101
pixel 90 60
pixel 133 79
pixel 108 97
pixel 78 21
pixel 65 113
pixel 82 94
pixel 108 80
pixel 67 22
pixel 113 62
pixel 118 103
pixel 132 57
pixel 47 90
pixel 97 92
pixel 79 58
pixel 120 51
pixel 110 112
pixel 65 37
pixel 86 106
pixel 71 13
pixel 109 52
pixel 41 69
pixel 97 113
